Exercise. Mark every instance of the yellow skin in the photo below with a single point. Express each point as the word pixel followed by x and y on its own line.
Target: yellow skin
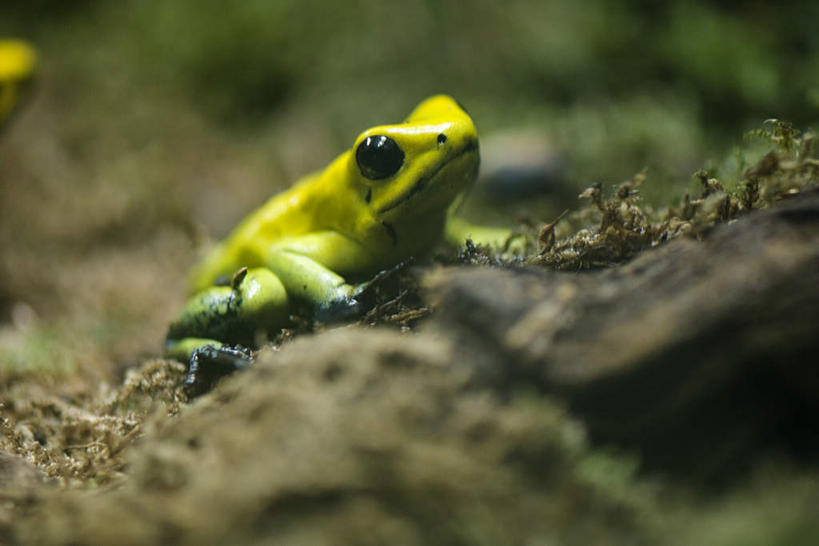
pixel 370 209
pixel 17 63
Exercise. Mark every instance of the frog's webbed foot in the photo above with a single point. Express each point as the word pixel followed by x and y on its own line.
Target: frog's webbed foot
pixel 366 291
pixel 358 298
pixel 363 289
pixel 210 363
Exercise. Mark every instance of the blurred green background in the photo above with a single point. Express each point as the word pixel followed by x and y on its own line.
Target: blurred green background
pixel 618 86
pixel 154 124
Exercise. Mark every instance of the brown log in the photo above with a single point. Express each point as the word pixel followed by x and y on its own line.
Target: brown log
pixel 701 354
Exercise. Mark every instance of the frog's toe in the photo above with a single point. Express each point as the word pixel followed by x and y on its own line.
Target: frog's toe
pixel 364 288
pixel 210 363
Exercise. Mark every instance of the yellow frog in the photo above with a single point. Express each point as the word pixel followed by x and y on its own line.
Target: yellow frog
pixel 386 199
pixel 17 62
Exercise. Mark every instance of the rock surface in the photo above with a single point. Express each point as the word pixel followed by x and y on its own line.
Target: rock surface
pixel 698 352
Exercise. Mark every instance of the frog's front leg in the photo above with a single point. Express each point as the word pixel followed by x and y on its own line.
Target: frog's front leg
pixel 218 323
pixel 310 267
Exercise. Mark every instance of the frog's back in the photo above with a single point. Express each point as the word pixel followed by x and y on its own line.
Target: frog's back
pixel 289 213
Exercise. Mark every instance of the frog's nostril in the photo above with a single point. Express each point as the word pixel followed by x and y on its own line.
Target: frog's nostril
pixel 441 138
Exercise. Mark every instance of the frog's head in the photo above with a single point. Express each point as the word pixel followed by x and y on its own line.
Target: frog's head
pixel 418 166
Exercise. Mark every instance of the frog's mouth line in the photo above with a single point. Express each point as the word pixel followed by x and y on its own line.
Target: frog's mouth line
pixel 424 180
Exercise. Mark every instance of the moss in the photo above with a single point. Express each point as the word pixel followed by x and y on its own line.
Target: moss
pixel 80 439
pixel 623 227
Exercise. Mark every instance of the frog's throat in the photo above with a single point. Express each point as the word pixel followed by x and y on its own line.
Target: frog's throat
pixel 424 180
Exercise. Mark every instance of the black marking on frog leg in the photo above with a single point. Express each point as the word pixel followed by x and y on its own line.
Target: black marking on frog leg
pixel 210 363
pixel 441 138
pixel 337 310
pixel 391 232
pixel 369 196
pixel 219 319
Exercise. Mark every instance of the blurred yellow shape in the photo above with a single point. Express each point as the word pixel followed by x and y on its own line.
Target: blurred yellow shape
pixel 17 63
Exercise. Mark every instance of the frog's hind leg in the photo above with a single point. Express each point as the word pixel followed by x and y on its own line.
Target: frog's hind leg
pixel 218 324
pixel 208 361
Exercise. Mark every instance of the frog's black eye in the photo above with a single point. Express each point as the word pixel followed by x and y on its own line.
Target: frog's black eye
pixel 379 157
